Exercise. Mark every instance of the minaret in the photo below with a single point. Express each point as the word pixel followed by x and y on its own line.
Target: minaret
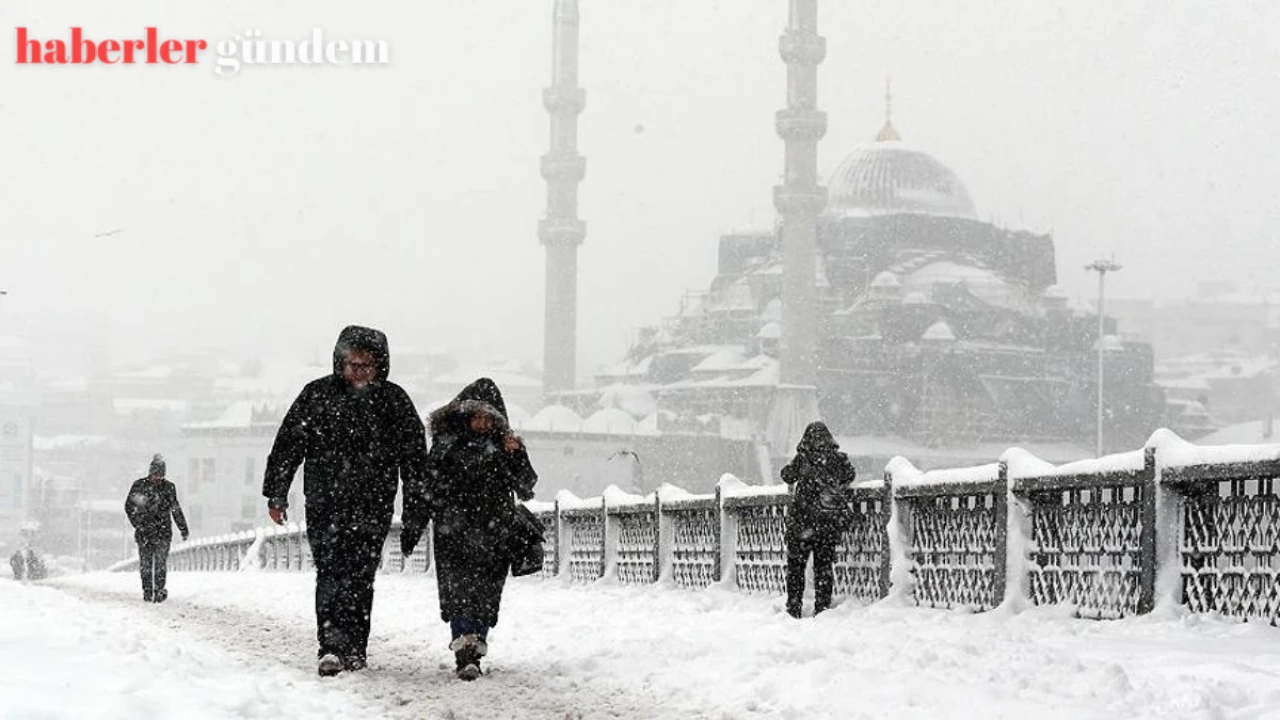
pixel 800 199
pixel 560 230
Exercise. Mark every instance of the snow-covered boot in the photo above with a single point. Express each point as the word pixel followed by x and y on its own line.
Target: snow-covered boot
pixel 467 651
pixel 329 665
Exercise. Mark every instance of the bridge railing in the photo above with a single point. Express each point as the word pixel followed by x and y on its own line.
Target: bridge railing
pixel 1168 524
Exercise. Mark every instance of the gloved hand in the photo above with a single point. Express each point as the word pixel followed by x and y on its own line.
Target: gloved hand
pixel 278 510
pixel 409 537
pixel 185 535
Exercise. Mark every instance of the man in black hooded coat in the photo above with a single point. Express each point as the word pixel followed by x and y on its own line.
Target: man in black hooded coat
pixel 358 433
pixel 819 475
pixel 474 466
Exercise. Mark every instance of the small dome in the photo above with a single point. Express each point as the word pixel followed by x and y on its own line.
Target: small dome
pixel 939 332
pixel 610 421
pixel 770 331
pixel 555 418
pixel 886 279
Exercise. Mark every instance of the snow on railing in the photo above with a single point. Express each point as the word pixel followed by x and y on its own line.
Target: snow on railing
pixel 1169 524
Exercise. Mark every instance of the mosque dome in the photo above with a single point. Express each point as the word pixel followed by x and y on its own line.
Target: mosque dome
pixel 888 177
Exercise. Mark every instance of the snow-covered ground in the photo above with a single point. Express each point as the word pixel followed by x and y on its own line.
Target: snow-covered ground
pixel 63 658
pixel 235 645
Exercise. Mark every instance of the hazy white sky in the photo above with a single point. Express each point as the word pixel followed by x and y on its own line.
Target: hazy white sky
pixel 269 209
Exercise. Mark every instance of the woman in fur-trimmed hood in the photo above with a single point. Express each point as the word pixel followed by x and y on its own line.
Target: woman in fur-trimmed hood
pixel 475 464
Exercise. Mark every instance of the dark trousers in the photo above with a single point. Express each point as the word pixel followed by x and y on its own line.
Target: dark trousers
pixel 824 556
pixel 463 626
pixel 153 565
pixel 346 565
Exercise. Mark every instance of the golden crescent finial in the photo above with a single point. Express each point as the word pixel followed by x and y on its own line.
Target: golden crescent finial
pixel 888 133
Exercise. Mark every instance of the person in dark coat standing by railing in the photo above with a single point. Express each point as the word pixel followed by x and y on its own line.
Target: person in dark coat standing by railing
pixel 18 562
pixel 359 435
pixel 475 465
pixel 820 476
pixel 152 506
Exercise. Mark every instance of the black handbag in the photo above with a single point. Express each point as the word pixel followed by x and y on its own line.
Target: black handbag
pixel 834 505
pixel 524 542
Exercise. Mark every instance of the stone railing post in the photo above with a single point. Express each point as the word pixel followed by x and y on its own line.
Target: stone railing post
pixel 886 547
pixel 658 560
pixel 726 544
pixel 611 535
pixel 1149 538
pixel 1000 506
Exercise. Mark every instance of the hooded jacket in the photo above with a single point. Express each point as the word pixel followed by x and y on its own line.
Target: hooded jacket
pixel 354 445
pixel 467 492
pixel 149 506
pixel 818 465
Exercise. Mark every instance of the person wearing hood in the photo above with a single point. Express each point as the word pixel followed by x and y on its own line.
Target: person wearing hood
pixel 475 465
pixel 819 477
pixel 150 504
pixel 359 436
pixel 18 562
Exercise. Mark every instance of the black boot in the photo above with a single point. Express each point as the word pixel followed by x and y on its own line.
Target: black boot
pixel 467 651
pixel 329 665
pixel 794 606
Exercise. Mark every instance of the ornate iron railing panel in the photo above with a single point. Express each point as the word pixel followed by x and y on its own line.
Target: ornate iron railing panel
pixel 957 549
pixel 1230 548
pixel 695 542
pixel 860 556
pixel 550 545
pixel 637 552
pixel 585 530
pixel 761 551
pixel 1087 549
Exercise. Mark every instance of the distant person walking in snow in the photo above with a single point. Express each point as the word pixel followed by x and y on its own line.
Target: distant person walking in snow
pixel 819 476
pixel 359 435
pixel 18 562
pixel 150 504
pixel 36 569
pixel 475 465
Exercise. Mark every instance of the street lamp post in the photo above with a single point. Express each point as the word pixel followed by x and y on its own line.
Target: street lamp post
pixel 1102 267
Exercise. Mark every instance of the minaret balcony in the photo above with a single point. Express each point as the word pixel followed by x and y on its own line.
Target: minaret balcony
pixel 799 201
pixel 802 48
pixel 569 168
pixel 564 100
pixel 801 124
pixel 562 231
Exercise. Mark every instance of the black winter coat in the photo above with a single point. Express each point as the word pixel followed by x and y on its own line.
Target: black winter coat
pixel 357 445
pixel 468 492
pixel 818 464
pixel 149 506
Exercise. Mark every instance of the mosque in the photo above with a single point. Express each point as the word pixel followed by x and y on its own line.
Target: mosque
pixel 935 326
pixel 904 316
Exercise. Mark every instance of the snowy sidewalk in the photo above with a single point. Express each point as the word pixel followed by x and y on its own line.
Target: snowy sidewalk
pixel 628 652
pixel 63 658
